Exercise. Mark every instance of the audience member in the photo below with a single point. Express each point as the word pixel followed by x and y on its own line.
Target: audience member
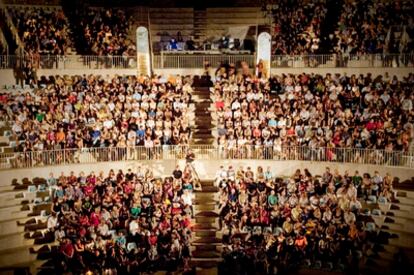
pixel 314 111
pixel 122 223
pixel 89 111
pixel 42 30
pixel 106 32
pixel 277 224
pixel 297 26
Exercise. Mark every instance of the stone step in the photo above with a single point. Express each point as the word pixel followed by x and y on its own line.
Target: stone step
pixel 204 202
pixel 7 212
pixel 206 263
pixel 205 226
pixel 6 189
pixel 377 265
pixel 203 112
pixel 204 117
pixel 386 255
pixel 406 200
pixel 203 136
pixel 205 233
pixel 399 220
pixel 204 103
pixel 206 214
pixel 405 193
pixel 204 207
pixel 200 130
pixel 204 247
pixel 394 227
pixel 203 141
pixel 15 216
pixel 404 240
pixel 12 227
pixel 391 249
pixel 204 210
pixel 205 195
pixel 399 213
pixel 208 189
pixel 401 206
pixel 394 249
pixel 16 257
pixel 207 182
pixel 406 186
pixel 205 254
pixel 205 219
pixel 13 202
pixel 206 240
pixel 14 241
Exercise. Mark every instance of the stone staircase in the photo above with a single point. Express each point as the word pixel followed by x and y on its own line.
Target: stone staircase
pixel 22 227
pixel 200 23
pixel 206 243
pixel 396 223
pixel 203 126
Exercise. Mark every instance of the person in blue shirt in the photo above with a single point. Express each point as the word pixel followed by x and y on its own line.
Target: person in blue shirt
pixel 121 240
pixel 96 134
pixel 136 96
pixel 173 45
pixel 140 134
pixel 151 113
pixel 272 122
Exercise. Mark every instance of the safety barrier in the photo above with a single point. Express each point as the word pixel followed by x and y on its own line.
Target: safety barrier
pixel 205 152
pixel 179 60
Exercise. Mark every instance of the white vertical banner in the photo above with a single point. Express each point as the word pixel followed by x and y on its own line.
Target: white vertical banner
pixel 264 54
pixel 143 52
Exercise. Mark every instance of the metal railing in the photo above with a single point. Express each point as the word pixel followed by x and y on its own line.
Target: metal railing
pixel 65 62
pixel 188 61
pixel 205 152
pixel 343 61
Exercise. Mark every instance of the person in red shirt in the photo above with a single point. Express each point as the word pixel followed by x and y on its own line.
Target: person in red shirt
pixel 67 248
pixel 371 125
pixel 257 133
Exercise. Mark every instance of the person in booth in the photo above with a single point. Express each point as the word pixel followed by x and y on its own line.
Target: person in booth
pixel 173 46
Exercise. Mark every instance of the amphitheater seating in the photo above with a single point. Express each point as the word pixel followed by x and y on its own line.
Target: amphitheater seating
pixel 218 20
pixel 386 236
pixel 51 25
pixel 23 224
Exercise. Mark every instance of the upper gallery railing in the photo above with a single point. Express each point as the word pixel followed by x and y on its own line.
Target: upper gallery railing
pixel 188 61
pixel 205 152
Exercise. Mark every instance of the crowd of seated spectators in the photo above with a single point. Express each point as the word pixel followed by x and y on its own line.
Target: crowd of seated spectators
pixel 106 32
pixel 313 111
pixel 121 223
pixel 297 26
pixel 273 225
pixel 43 31
pixel 371 27
pixel 363 27
pixel 91 111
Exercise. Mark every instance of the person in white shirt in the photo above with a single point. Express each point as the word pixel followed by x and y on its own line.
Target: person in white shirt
pixel 220 175
pixel 52 222
pixel 235 105
pixel 134 227
pixel 103 229
pixel 187 197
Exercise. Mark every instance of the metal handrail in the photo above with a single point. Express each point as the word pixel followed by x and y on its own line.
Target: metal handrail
pixel 205 152
pixel 343 60
pixel 185 61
